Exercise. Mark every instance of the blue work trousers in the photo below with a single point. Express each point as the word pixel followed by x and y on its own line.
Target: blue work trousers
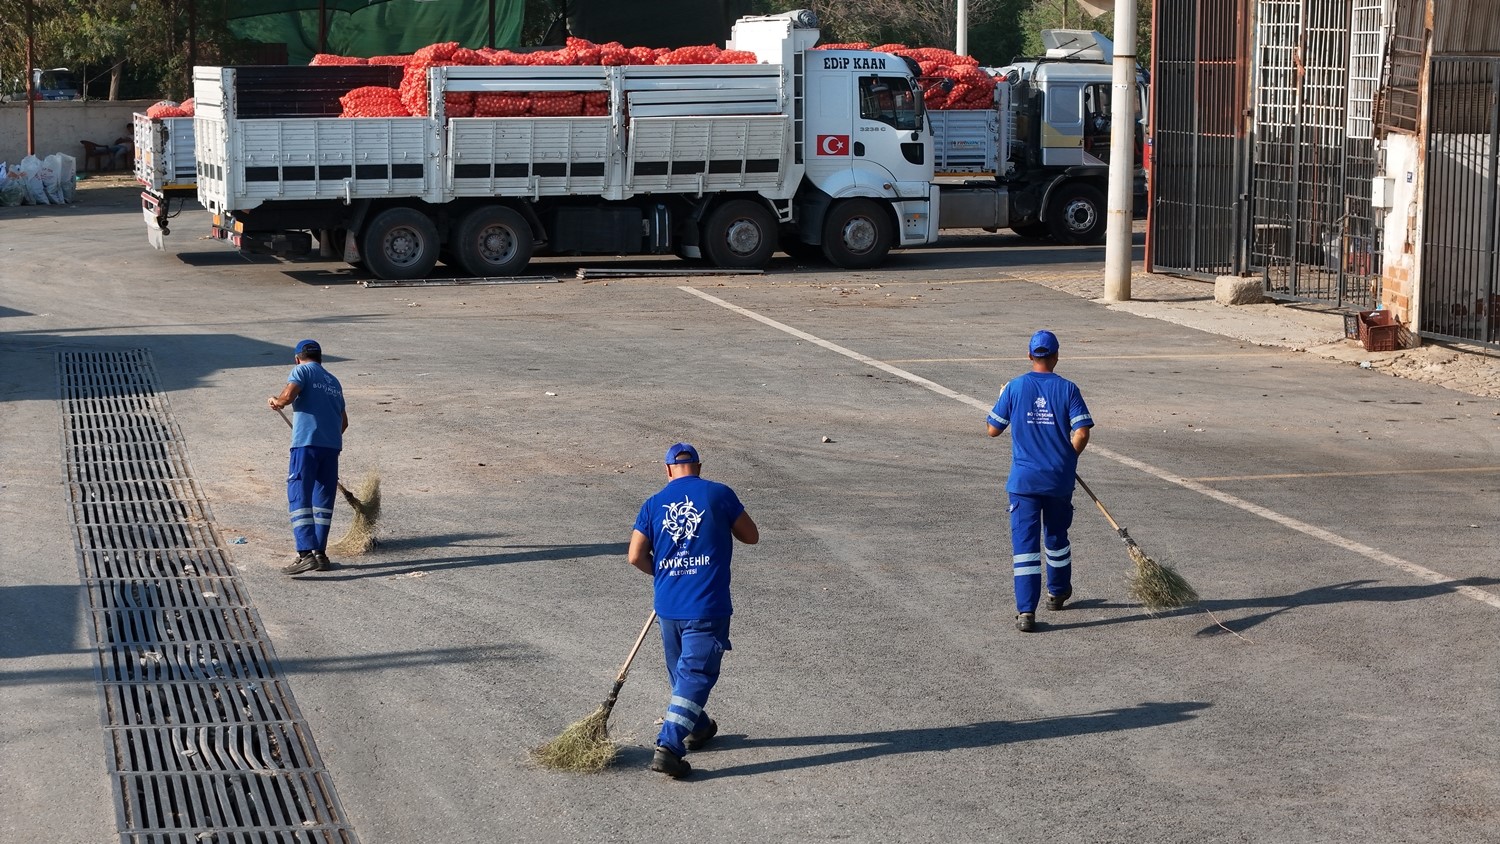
pixel 312 478
pixel 694 649
pixel 1039 530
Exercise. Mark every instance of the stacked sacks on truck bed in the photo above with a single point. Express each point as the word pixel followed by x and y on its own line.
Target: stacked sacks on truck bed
pixel 949 81
pixel 167 108
pixel 411 98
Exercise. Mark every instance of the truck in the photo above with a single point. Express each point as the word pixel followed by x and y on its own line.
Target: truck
pixel 804 150
pixel 1038 161
pixel 166 168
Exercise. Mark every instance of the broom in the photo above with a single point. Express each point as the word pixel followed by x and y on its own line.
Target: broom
pixel 585 745
pixel 366 506
pixel 1155 586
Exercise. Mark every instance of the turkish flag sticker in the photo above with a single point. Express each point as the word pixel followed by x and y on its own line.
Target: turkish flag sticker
pixel 833 145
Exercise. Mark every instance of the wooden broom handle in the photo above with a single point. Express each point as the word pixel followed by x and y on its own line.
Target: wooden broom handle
pixel 625 669
pixel 1099 504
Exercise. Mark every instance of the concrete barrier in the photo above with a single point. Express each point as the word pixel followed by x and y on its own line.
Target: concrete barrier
pixel 63 126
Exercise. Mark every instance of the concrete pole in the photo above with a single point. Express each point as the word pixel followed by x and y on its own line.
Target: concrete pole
pixel 961 43
pixel 30 77
pixel 1117 237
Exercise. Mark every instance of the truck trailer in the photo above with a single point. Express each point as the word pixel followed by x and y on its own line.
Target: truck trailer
pixel 166 168
pixel 804 150
pixel 1038 161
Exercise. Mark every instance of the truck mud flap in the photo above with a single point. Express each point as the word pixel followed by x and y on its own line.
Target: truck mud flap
pixel 154 210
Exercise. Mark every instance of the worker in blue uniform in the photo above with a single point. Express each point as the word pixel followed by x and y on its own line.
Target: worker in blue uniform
pixel 318 425
pixel 1050 425
pixel 684 537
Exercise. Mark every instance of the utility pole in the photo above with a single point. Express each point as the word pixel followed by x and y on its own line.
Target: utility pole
pixel 1118 235
pixel 30 81
pixel 961 43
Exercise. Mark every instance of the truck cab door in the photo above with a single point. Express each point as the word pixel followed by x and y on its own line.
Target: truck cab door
pixel 891 141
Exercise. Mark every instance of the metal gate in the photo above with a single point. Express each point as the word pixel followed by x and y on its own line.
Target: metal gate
pixel 1199 152
pixel 1312 231
pixel 1460 296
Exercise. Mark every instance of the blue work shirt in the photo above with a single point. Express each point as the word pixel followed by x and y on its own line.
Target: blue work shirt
pixel 688 523
pixel 318 409
pixel 1042 410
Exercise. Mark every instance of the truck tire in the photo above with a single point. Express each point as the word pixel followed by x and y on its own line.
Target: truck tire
pixel 400 243
pixel 740 234
pixel 493 241
pixel 1077 215
pixel 857 234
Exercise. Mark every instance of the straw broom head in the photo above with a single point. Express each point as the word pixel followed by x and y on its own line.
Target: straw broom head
pixel 584 747
pixel 366 506
pixel 1155 586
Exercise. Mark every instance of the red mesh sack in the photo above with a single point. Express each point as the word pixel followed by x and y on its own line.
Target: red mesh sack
pixel 189 106
pixel 327 59
pixel 698 54
pixel 736 57
pixel 596 99
pixel 468 58
pixel 458 105
pixel 584 51
pixel 852 45
pixel 889 48
pixel 642 55
pixel 437 52
pixel 501 105
pixel 568 105
pixel 373 101
pixel 397 61
pixel 166 108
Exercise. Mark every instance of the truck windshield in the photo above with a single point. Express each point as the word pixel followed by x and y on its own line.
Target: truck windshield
pixel 890 100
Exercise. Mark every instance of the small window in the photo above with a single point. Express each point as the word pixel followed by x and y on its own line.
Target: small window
pixel 890 100
pixel 1063 106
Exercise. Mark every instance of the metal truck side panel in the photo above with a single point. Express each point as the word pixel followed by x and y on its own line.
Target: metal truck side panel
pixel 531 157
pixel 706 155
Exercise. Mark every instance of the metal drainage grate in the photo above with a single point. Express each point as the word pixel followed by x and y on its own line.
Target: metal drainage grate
pixel 205 741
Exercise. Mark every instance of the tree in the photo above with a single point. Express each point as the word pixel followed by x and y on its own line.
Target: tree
pixel 143 45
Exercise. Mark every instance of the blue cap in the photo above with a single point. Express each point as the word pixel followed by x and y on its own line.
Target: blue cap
pixel 1043 343
pixel 682 453
pixel 309 346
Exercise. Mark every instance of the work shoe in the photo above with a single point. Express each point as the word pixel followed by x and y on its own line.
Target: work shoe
pixel 1025 621
pixel 306 561
pixel 324 564
pixel 669 763
pixel 1055 602
pixel 698 738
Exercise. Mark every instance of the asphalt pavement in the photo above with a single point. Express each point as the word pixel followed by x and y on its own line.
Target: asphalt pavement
pixel 1338 682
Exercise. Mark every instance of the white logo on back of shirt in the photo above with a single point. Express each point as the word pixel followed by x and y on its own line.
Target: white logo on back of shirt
pixel 682 519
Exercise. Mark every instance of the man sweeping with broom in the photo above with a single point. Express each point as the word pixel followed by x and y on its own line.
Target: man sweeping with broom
pixel 318 425
pixel 1050 427
pixel 684 537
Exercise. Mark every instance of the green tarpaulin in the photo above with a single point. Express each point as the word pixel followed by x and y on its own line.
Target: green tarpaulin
pixel 382 28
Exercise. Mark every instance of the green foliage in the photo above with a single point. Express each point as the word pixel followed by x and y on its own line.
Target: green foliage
pixel 147 39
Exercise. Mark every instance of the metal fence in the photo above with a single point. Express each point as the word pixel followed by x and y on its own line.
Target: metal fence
pixel 1312 231
pixel 1199 152
pixel 1460 296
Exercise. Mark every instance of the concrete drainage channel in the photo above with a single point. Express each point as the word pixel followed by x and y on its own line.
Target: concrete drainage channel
pixel 204 740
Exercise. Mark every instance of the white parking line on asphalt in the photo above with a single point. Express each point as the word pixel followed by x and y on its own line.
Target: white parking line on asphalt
pixel 1420 572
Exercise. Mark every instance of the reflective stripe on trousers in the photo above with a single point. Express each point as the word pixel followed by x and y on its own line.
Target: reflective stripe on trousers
pixel 1033 519
pixel 694 650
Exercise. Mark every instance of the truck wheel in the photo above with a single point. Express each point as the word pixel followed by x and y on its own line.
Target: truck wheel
pixel 740 234
pixel 1077 215
pixel 1034 231
pixel 857 234
pixel 494 241
pixel 400 243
